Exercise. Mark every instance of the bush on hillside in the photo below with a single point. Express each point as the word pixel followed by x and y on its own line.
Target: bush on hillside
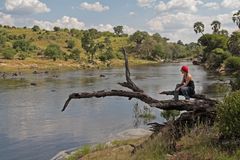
pixel 233 63
pixel 107 55
pixel 22 45
pixel 228 116
pixel 71 44
pixel 75 54
pixel 8 53
pixel 53 51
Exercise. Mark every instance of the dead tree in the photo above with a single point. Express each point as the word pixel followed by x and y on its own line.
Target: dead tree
pixel 198 109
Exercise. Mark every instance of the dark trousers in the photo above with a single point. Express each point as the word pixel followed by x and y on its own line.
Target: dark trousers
pixel 185 91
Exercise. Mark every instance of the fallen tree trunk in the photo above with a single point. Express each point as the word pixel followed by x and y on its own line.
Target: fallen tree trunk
pixel 200 109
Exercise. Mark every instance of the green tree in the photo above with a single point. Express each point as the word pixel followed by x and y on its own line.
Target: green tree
pixel 198 27
pixel 236 18
pixel 118 30
pixel 35 28
pixel 216 25
pixel 71 44
pixel 22 45
pixel 56 29
pixel 53 51
pixel 107 55
pixel 88 45
pixel 138 37
pixel 234 43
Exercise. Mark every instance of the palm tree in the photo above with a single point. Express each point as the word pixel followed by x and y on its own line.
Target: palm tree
pixel 216 25
pixel 236 18
pixel 198 27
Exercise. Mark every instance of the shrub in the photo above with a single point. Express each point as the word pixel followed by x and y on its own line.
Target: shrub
pixel 107 55
pixel 71 44
pixel 53 51
pixel 217 57
pixel 8 53
pixel 75 54
pixel 233 63
pixel 228 116
pixel 35 28
pixel 22 45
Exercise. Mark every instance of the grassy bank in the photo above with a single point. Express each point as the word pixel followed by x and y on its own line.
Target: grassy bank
pixel 199 144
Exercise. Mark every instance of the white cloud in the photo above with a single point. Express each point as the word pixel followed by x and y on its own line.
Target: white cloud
pixel 233 4
pixel 146 3
pixel 212 5
pixel 109 27
pixel 103 28
pixel 132 13
pixel 64 22
pixel 6 19
pixel 180 25
pixel 179 5
pixel 97 6
pixel 26 6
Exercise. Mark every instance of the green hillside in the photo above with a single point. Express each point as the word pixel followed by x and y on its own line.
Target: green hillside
pixel 89 47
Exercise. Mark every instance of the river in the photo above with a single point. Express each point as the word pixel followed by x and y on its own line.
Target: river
pixel 32 126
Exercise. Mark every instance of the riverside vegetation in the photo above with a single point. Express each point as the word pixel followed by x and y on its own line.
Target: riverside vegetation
pixel 217 141
pixel 26 48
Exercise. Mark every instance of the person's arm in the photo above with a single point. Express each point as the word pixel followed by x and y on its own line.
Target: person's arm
pixel 181 84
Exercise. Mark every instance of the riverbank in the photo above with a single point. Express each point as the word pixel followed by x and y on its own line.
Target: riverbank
pixel 117 148
pixel 29 65
pixel 201 143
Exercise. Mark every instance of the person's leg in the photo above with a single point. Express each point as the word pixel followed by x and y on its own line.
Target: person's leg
pixel 176 93
pixel 185 92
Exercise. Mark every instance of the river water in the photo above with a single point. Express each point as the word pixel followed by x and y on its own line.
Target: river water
pixel 32 126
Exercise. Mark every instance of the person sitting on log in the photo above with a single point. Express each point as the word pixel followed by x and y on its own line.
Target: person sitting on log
pixel 186 88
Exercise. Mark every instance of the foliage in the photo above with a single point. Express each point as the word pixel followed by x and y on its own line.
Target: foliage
pixel 236 18
pixel 228 116
pixel 88 44
pixel 35 28
pixel 22 45
pixel 234 43
pixel 118 30
pixel 170 114
pixel 8 53
pixel 217 57
pixel 198 27
pixel 138 37
pixel 53 51
pixel 56 29
pixel 71 44
pixel 75 54
pixel 233 63
pixel 3 37
pixel 211 42
pixel 216 25
pixel 107 55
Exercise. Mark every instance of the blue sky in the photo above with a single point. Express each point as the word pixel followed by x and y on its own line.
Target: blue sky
pixel 171 18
